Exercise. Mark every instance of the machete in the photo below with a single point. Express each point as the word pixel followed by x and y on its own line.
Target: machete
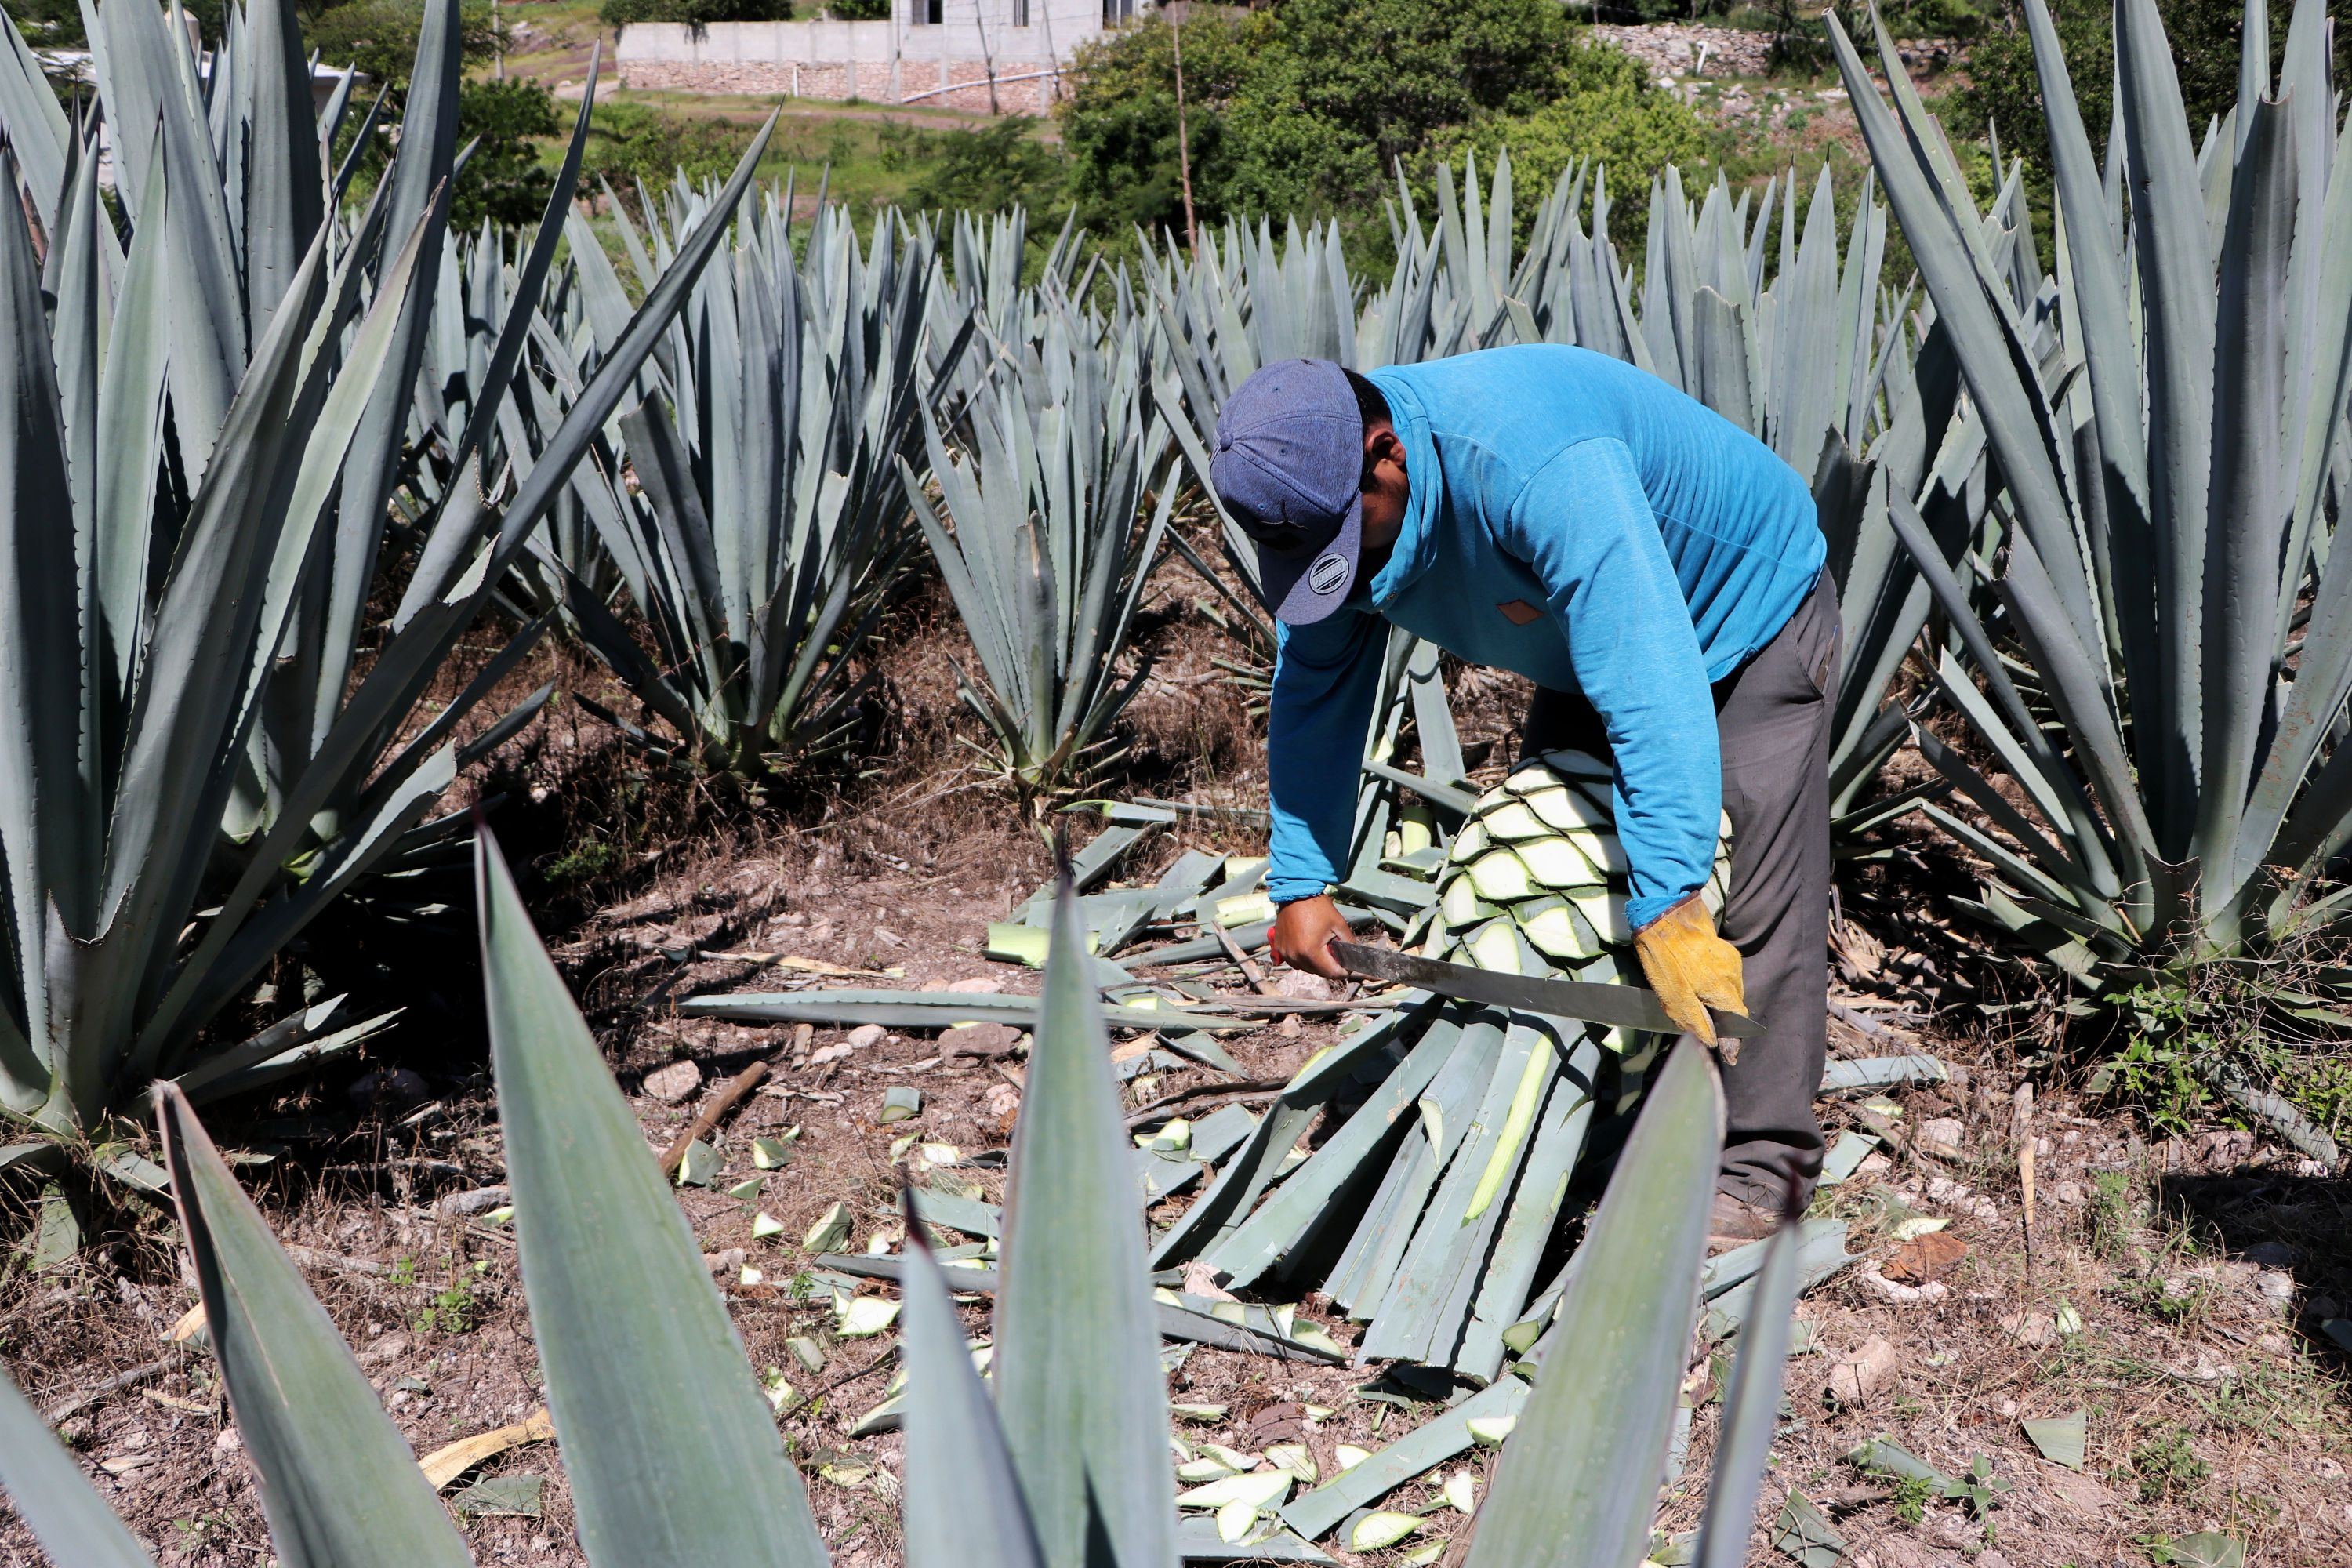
pixel 1625 1006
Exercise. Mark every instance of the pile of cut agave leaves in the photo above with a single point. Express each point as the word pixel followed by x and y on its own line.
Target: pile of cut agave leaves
pixel 1058 1457
pixel 1427 1207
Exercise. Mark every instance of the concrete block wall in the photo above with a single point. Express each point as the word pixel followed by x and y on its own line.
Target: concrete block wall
pixel 946 64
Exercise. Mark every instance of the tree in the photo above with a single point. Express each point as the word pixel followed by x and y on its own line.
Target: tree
pixel 379 36
pixel 1118 126
pixel 1306 106
pixel 505 181
pixel 620 13
pixel 2003 92
pixel 1350 88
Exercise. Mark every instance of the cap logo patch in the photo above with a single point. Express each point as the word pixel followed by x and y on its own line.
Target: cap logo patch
pixel 1328 573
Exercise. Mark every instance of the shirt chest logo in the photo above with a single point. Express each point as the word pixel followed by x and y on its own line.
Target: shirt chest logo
pixel 1519 613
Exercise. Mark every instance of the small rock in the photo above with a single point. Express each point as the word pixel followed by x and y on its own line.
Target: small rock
pixel 2081 1492
pixel 2324 1307
pixel 1941 1138
pixel 1302 985
pixel 830 1054
pixel 1873 1165
pixel 2277 1291
pixel 2067 1192
pixel 727 1262
pixel 2310 1168
pixel 673 1083
pixel 2328 1471
pixel 228 1442
pixel 2272 1343
pixel 980 1040
pixel 1902 1295
pixel 384 1349
pixel 2274 1255
pixel 479 1201
pixel 1860 1372
pixel 1944 1190
pixel 981 986
pixel 1003 1102
pixel 1988 1558
pixel 865 1035
pixel 2030 1329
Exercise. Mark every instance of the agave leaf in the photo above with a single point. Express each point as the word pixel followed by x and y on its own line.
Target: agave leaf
pixel 67 1516
pixel 285 193
pixel 1578 1481
pixel 1079 1391
pixel 338 1483
pixel 1752 1413
pixel 672 1452
pixel 963 1499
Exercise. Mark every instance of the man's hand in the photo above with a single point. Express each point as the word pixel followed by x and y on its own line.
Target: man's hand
pixel 1303 932
pixel 1691 968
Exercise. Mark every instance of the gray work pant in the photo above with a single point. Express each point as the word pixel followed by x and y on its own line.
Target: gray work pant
pixel 1772 719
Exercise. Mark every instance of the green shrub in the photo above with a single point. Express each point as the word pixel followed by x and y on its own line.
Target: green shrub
pixel 620 13
pixel 997 166
pixel 505 181
pixel 629 143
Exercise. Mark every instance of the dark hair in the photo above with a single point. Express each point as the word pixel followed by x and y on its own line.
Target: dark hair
pixel 1370 403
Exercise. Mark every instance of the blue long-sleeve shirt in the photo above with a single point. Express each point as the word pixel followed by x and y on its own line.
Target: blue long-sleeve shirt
pixel 1644 545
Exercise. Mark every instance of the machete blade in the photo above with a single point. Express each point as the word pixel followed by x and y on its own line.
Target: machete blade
pixel 1622 1006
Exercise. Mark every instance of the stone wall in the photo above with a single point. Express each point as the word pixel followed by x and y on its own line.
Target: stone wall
pixel 1022 87
pixel 1673 49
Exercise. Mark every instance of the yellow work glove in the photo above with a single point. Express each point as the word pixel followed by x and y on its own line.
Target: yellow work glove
pixel 1692 969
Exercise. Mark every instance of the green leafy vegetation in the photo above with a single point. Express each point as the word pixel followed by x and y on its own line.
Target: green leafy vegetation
pixel 631 145
pixel 997 167
pixel 2166 1464
pixel 1306 109
pixel 621 14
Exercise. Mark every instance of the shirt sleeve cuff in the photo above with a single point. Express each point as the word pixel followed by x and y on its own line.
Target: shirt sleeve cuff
pixel 1290 889
pixel 1640 913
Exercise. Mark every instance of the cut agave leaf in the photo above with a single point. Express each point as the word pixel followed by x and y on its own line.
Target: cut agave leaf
pixel 1376 1530
pixel 1259 1488
pixel 830 1233
pixel 669 1441
pixel 1606 912
pixel 867 1316
pixel 1560 807
pixel 1496 946
pixel 1561 863
pixel 1461 905
pixel 1554 931
pixel 1501 877
pixel 1513 821
pixel 1469 843
pixel 2062 1438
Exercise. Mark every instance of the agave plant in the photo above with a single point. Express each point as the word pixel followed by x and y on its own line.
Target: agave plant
pixel 1815 359
pixel 1044 546
pixel 767 517
pixel 1061 1460
pixel 202 469
pixel 2172 455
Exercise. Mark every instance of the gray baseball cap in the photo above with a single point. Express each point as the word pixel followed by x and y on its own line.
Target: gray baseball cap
pixel 1290 469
